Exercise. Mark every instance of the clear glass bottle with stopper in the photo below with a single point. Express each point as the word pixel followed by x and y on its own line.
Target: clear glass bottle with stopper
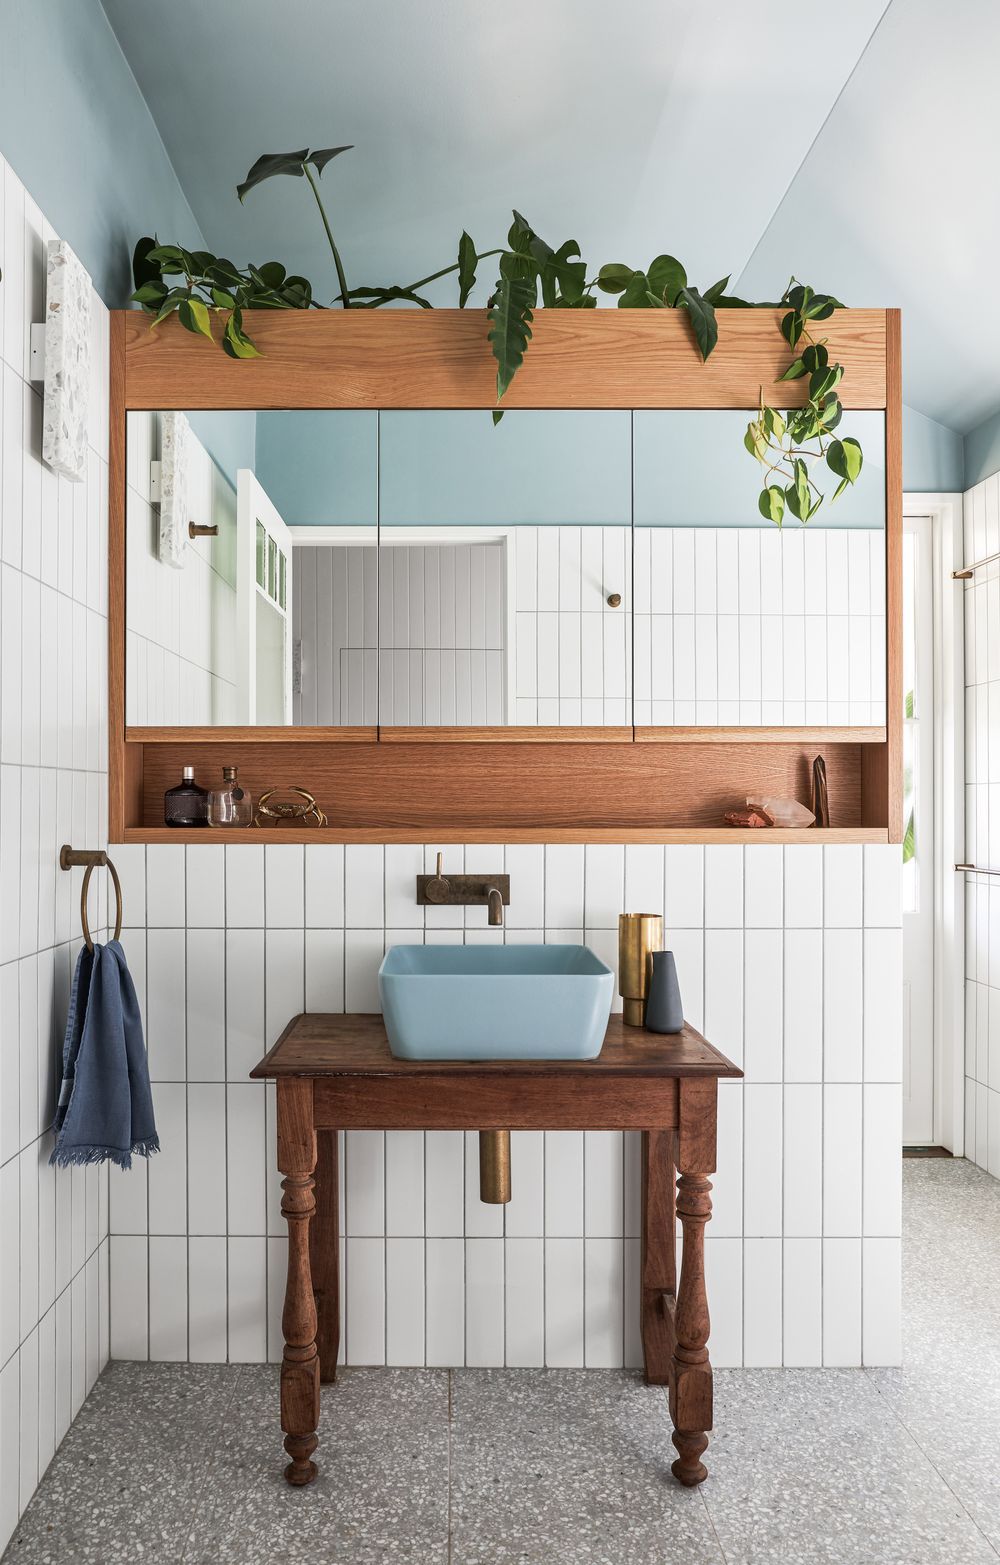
pixel 230 805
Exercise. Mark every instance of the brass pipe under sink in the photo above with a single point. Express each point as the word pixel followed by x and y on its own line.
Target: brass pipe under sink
pixel 494 1166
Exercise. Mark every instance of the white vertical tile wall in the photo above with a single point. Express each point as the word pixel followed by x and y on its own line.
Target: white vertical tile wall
pixel 773 956
pixel 181 630
pixel 982 828
pixel 54 1283
pixel 759 626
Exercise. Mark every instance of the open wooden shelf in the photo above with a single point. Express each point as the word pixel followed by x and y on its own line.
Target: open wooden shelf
pixel 611 834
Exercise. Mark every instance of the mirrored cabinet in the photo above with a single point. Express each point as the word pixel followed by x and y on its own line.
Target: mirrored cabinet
pixel 343 587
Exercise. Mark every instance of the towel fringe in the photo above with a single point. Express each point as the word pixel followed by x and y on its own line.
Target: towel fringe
pixel 76 1157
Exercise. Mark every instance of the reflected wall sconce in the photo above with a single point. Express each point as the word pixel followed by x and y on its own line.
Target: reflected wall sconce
pixel 175 450
pixel 60 356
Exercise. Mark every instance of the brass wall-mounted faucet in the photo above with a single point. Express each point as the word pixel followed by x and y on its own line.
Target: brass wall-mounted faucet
pixel 440 890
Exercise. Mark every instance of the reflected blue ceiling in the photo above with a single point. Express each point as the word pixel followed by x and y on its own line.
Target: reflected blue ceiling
pixel 847 146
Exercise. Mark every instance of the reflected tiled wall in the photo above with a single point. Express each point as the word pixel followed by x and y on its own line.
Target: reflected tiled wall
pixel 53 788
pixel 982 828
pixel 789 958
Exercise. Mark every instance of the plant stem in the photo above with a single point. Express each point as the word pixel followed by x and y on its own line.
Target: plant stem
pixel 433 277
pixel 338 263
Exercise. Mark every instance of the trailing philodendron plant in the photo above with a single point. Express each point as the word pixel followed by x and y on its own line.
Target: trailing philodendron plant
pixel 193 284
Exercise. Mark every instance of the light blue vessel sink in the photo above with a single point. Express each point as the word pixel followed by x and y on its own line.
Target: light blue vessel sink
pixel 530 1002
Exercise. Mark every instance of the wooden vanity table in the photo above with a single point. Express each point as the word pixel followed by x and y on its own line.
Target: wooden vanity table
pixel 336 1073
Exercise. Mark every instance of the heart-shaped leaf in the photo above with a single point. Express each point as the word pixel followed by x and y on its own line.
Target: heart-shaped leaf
pixel 667 278
pixel 771 504
pixel 193 314
pixel 795 370
pixel 467 260
pixel 845 458
pixel 636 295
pixel 706 330
pixel 717 291
pixel 143 269
pixel 792 326
pixel 272 163
pixel 614 277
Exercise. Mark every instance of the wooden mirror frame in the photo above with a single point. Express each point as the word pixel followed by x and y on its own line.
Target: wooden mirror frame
pixel 504 784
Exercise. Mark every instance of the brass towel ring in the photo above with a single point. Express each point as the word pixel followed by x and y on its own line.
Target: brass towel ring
pixel 92 858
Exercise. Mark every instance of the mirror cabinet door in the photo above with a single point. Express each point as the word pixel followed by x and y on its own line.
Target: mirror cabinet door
pixel 505 570
pixel 738 622
pixel 251 568
pixel 431 570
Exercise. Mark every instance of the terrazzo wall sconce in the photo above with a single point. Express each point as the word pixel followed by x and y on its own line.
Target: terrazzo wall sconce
pixel 175 454
pixel 60 353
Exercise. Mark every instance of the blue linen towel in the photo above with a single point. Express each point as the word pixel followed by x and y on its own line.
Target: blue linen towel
pixel 105 1110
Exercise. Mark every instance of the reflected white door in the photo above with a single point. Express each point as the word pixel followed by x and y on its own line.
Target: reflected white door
pixel 918 844
pixel 264 604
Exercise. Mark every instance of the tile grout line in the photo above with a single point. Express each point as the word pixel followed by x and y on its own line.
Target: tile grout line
pixel 928 1458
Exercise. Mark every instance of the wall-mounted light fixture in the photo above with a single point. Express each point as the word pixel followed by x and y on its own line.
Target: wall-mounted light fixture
pixel 60 356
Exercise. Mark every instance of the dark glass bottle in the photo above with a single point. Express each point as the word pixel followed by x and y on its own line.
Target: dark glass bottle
pixel 187 804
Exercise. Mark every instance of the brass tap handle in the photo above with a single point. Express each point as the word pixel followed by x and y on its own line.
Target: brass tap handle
pixel 439 887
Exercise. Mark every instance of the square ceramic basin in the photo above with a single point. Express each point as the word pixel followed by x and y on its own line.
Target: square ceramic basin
pixel 520 1002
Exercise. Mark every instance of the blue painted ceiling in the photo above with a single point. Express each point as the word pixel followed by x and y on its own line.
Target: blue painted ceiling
pixel 848 146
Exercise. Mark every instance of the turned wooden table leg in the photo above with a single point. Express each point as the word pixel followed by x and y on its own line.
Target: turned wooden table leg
pixel 300 1363
pixel 659 1279
pixel 324 1254
pixel 690 1369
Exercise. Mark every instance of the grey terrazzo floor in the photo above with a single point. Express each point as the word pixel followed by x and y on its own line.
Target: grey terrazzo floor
pixel 179 1463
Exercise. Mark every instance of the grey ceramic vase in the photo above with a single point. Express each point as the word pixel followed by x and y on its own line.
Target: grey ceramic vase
pixel 664 1011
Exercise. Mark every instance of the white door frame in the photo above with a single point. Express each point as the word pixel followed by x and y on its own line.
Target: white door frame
pixel 945 512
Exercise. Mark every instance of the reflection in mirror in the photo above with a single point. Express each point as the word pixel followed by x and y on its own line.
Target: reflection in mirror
pixel 243 623
pixel 505 570
pixel 738 623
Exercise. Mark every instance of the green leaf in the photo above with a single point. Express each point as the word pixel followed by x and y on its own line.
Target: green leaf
pixel 378 296
pixel 466 269
pixel 845 458
pixel 795 370
pixel 273 163
pixel 150 294
pixel 510 316
pixel 792 327
pixel 755 440
pixel 636 295
pixel 235 340
pixel 614 277
pixel 774 423
pixel 910 840
pixel 797 492
pixel 667 278
pixel 771 504
pixel 717 291
pixel 908 705
pixel 703 320
pixel 143 269
pixel 497 416
pixel 273 274
pixel 815 356
pixel 193 314
pixel 655 302
pixel 319 160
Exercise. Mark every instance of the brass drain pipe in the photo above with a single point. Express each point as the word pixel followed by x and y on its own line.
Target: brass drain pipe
pixel 494 1166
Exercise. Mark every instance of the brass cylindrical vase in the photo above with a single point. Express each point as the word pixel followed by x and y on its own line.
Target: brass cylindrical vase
pixel 639 934
pixel 494 1166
